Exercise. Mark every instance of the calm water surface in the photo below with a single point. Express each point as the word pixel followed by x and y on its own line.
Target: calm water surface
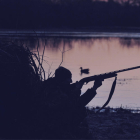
pixel 100 55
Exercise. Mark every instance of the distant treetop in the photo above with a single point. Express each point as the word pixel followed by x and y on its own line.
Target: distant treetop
pixel 58 14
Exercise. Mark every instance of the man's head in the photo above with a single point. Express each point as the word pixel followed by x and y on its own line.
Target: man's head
pixel 63 75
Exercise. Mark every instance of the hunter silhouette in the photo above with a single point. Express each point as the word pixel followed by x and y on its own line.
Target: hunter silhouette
pixel 64 103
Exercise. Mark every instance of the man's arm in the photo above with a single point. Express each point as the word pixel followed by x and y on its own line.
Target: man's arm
pixel 89 94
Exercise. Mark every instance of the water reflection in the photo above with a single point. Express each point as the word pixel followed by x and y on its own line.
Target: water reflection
pixel 56 42
pixel 100 55
pixel 126 42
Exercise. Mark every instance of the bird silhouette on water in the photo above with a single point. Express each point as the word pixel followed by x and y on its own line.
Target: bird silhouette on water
pixel 85 71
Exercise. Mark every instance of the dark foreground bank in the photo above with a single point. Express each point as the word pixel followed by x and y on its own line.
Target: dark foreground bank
pixel 121 124
pixel 118 124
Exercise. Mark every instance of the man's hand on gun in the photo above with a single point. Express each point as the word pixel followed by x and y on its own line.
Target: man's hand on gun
pixel 97 84
pixel 98 81
pixel 79 85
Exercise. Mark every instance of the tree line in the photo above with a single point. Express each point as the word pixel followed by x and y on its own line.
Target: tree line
pixel 46 14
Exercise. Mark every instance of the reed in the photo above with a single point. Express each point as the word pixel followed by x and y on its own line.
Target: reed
pixel 21 77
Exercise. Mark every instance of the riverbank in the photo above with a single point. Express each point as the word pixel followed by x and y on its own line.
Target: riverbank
pixel 114 125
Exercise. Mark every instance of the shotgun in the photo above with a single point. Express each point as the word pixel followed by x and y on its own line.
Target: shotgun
pixel 105 75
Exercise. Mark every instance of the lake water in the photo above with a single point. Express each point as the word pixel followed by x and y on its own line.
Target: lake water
pixel 100 52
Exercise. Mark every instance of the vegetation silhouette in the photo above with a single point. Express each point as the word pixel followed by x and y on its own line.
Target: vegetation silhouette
pixel 70 14
pixel 20 81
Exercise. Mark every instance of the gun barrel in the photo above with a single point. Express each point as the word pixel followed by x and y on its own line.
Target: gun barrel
pixel 118 71
pixel 132 68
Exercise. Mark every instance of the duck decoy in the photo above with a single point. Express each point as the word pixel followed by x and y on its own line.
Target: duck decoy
pixel 86 71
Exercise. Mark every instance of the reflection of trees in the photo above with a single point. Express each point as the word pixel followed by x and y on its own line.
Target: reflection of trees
pixel 129 42
pixel 54 43
pixel 57 42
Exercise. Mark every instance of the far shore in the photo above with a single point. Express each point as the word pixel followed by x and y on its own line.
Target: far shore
pixel 83 32
pixel 83 29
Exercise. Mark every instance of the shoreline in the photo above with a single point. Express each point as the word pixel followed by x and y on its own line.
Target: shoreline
pixel 114 110
pixel 82 29
pixel 72 33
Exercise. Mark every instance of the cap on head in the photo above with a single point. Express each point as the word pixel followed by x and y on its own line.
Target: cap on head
pixel 62 74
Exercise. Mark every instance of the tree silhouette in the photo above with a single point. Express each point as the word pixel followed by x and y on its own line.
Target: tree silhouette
pixel 61 14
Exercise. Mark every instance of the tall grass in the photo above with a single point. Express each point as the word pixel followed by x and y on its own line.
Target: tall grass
pixel 20 90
